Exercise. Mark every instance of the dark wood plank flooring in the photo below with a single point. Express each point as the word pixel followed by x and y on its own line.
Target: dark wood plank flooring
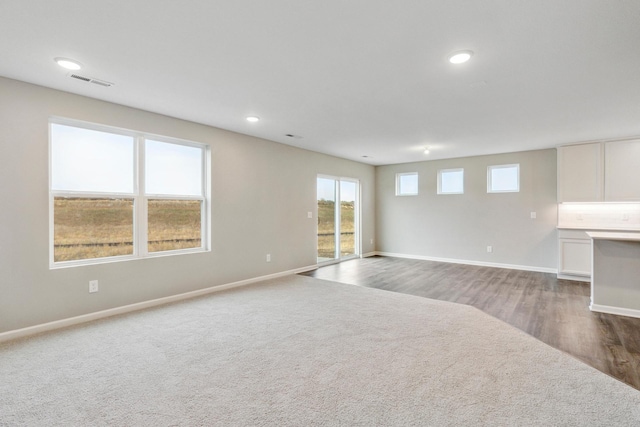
pixel 554 311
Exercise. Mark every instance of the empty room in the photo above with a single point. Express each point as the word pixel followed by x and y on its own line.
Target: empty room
pixel 336 213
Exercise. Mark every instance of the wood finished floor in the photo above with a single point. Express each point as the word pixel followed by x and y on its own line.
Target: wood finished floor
pixel 554 311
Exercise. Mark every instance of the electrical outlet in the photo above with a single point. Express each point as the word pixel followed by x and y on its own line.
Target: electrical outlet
pixel 93 286
pixel 268 257
pixel 489 249
pixel 533 215
pixel 371 241
pixel 309 214
pixel 625 216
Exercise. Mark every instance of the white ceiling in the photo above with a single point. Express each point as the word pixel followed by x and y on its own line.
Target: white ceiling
pixel 352 77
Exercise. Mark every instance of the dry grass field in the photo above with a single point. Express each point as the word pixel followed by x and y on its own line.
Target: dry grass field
pixel 96 228
pixel 326 229
pixel 173 224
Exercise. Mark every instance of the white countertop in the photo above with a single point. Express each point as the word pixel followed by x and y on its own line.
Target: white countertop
pixel 600 228
pixel 614 235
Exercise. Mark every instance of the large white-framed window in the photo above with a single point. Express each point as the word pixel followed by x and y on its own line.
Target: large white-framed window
pixel 118 194
pixel 503 178
pixel 407 184
pixel 451 181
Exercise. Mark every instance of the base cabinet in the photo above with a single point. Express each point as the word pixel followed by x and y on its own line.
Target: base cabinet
pixel 574 255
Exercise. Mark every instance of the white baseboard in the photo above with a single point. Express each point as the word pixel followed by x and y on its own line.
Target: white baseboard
pixel 468 262
pixel 368 254
pixel 620 311
pixel 63 323
pixel 575 278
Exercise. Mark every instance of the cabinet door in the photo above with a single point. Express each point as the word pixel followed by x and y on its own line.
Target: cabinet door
pixel 622 171
pixel 575 257
pixel 580 173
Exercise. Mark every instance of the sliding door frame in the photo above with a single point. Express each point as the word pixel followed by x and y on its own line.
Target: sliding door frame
pixel 337 219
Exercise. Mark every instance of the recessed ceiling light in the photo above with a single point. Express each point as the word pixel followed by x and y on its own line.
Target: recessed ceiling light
pixel 253 119
pixel 67 63
pixel 426 150
pixel 460 56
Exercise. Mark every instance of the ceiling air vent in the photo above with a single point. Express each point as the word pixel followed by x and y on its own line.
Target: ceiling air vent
pixel 75 76
pixel 90 80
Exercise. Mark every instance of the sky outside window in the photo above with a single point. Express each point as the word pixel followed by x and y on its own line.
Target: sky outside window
pixel 90 160
pixel 173 169
pixel 327 188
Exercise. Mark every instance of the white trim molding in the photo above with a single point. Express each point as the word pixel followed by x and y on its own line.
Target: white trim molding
pixel 574 278
pixel 63 323
pixel 620 311
pixel 468 262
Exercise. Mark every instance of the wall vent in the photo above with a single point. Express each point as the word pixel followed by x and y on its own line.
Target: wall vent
pixel 91 80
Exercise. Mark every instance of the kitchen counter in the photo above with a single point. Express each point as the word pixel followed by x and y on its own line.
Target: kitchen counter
pixel 615 235
pixel 615 272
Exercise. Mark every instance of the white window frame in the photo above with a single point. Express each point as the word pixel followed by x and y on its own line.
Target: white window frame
pixel 140 199
pixel 489 183
pixel 399 187
pixel 440 172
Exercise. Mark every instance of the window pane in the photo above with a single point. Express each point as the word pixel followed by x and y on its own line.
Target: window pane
pixel 173 169
pixel 407 184
pixel 504 178
pixel 174 224
pixel 326 219
pixel 451 181
pixel 347 218
pixel 92 228
pixel 89 160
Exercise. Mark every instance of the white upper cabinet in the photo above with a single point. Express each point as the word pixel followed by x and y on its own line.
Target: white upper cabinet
pixel 622 171
pixel 580 173
pixel 597 172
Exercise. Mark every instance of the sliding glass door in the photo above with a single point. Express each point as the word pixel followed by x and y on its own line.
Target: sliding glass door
pixel 338 213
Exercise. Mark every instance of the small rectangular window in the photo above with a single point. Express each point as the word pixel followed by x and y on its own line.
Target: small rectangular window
pixel 407 184
pixel 451 181
pixel 503 179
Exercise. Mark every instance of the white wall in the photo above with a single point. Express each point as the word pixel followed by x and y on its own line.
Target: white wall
pixel 460 227
pixel 261 193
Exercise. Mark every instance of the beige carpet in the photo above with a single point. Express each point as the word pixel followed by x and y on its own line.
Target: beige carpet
pixel 300 351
